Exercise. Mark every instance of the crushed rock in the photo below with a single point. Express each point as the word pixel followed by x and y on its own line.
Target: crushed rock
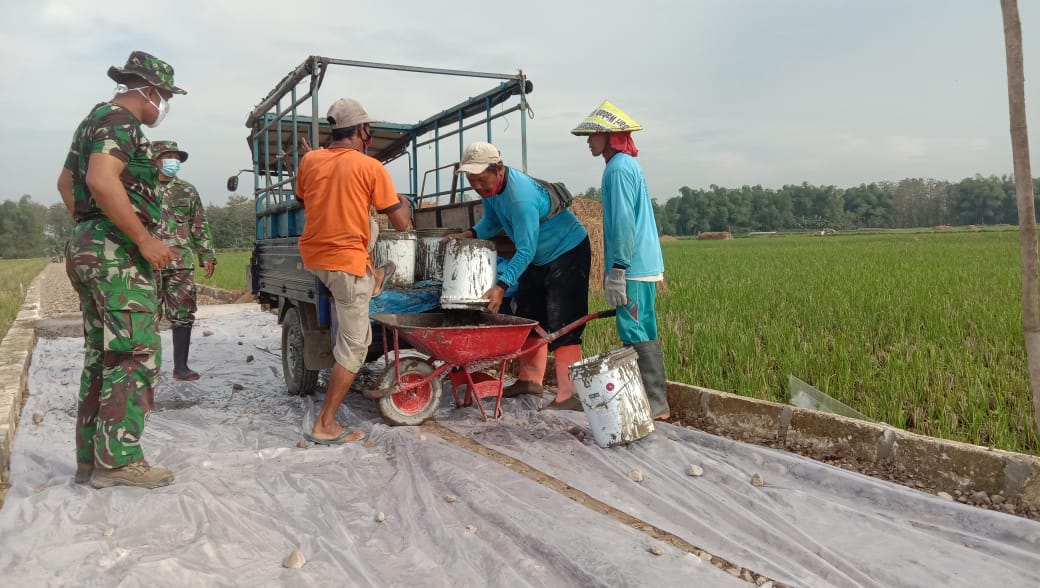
pixel 295 560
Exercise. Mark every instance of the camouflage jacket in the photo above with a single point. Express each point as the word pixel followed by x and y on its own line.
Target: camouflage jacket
pixel 111 129
pixel 184 227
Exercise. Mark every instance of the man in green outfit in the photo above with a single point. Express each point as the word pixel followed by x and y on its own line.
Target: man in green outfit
pixel 111 186
pixel 185 230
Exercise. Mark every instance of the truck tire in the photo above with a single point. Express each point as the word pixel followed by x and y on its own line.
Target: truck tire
pixel 298 379
pixel 416 405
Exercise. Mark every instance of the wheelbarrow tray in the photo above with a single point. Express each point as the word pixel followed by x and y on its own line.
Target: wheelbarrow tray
pixel 460 337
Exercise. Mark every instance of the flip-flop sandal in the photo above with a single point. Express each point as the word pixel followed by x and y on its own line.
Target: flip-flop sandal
pixel 339 440
pixel 388 272
pixel 572 403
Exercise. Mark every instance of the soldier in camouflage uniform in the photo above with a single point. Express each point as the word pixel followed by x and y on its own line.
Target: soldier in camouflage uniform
pixel 111 186
pixel 185 230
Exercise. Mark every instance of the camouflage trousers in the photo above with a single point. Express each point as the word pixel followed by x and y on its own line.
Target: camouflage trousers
pixel 117 295
pixel 177 296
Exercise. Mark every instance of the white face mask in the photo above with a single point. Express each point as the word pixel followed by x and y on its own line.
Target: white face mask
pixel 163 107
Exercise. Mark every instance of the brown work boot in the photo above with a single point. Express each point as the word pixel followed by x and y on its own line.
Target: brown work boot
pixel 136 473
pixel 83 471
pixel 522 387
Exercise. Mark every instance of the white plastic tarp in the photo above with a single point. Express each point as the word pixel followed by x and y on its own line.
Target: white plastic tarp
pixel 245 496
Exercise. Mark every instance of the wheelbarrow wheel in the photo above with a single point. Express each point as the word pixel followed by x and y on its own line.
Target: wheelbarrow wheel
pixel 411 407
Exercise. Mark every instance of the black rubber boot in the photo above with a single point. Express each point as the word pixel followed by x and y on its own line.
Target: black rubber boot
pixel 181 344
pixel 651 368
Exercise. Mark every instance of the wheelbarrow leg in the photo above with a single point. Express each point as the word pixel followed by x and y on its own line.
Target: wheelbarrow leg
pixel 458 378
pixel 480 385
pixel 498 394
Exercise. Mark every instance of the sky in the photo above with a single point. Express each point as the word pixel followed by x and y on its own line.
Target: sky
pixel 730 92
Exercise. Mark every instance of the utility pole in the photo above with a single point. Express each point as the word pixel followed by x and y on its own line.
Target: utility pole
pixel 1024 189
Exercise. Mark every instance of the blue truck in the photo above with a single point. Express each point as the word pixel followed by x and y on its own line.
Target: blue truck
pixel 291 112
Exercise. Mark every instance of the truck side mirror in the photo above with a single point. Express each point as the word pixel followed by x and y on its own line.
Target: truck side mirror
pixel 232 183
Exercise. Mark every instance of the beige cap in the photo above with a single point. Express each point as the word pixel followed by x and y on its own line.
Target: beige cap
pixel 346 113
pixel 477 157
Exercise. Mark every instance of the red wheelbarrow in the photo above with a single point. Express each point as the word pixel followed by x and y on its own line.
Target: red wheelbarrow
pixel 464 342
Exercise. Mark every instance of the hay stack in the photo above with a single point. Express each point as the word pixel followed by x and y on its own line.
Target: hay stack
pixel 714 236
pixel 590 213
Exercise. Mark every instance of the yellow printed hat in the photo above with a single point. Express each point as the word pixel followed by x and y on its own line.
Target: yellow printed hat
pixel 607 118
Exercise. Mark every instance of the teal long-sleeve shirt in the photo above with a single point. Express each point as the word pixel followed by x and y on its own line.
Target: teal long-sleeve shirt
pixel 629 229
pixel 520 210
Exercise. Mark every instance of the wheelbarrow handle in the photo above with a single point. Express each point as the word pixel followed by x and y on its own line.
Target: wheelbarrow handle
pixel 550 337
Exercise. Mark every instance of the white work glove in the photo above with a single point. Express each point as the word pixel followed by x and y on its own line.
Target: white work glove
pixel 614 288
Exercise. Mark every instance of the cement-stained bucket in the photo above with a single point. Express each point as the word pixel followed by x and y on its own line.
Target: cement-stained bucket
pixel 612 394
pixel 400 248
pixel 429 259
pixel 470 267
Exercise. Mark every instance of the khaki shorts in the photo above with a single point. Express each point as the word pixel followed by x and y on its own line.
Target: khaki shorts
pixel 353 329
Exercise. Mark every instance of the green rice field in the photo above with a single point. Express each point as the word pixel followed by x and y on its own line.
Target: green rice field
pixel 921 330
pixel 230 273
pixel 15 277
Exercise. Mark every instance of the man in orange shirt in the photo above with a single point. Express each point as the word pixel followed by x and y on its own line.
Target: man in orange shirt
pixel 337 186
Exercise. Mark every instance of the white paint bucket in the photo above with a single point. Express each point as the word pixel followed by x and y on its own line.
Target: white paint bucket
pixel 469 271
pixel 612 394
pixel 429 259
pixel 398 247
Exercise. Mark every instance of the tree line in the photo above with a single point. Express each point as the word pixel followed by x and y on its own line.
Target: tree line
pixel 911 202
pixel 30 229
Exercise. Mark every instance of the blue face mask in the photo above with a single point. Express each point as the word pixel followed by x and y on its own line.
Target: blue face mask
pixel 170 167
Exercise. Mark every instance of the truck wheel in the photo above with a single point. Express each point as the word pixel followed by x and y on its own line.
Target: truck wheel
pixel 414 406
pixel 298 379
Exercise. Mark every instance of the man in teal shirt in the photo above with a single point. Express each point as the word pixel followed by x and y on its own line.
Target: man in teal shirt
pixel 550 267
pixel 631 247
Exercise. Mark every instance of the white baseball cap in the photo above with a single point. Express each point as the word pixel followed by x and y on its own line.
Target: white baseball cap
pixel 477 157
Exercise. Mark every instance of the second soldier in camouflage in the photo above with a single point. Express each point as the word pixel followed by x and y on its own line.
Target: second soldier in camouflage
pixel 185 230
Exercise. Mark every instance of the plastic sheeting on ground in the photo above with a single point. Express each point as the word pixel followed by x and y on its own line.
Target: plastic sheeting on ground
pixel 246 496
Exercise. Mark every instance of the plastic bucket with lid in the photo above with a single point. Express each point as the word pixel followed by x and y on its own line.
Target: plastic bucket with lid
pixel 470 267
pixel 612 394
pixel 400 248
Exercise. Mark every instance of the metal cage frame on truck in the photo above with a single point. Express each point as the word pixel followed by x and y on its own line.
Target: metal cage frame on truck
pixel 291 111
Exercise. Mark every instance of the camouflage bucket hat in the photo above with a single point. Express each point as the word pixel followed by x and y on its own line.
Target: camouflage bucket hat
pixel 149 68
pixel 160 147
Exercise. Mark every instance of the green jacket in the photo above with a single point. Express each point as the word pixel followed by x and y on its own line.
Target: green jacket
pixel 184 227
